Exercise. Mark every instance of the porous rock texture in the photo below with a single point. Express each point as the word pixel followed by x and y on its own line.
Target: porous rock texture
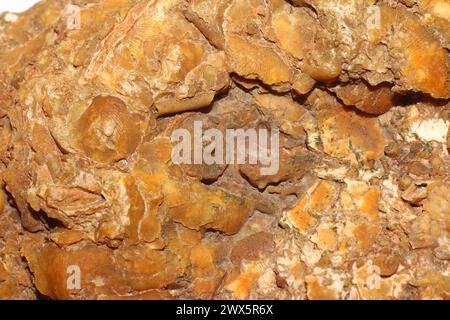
pixel 87 178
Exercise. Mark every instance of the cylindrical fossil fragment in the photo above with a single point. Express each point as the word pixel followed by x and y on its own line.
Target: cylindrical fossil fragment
pixel 373 100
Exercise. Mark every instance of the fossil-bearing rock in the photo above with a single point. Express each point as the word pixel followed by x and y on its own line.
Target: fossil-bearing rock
pixel 87 178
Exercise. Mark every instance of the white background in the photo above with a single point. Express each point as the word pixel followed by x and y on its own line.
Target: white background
pixel 16 5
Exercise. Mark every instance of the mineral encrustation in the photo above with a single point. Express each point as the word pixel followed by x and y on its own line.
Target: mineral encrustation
pixel 92 205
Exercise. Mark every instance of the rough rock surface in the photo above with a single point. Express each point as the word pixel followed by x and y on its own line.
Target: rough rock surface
pixel 359 208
